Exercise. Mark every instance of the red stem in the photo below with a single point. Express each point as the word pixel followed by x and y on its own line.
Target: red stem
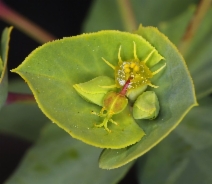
pixel 12 17
pixel 124 89
pixel 16 97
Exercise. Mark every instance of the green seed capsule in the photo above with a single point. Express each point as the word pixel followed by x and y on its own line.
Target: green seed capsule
pixel 146 106
pixel 113 103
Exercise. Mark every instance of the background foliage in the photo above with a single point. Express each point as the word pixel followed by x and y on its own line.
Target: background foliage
pixel 183 157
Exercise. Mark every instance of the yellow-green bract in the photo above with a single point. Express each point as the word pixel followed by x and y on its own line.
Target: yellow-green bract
pixel 92 90
pixel 133 76
pixel 52 70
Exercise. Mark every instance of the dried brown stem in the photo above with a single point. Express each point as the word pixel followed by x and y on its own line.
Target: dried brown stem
pixel 127 15
pixel 194 24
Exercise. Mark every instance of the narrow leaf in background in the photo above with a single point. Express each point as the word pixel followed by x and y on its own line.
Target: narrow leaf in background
pixel 198 57
pixel 4 48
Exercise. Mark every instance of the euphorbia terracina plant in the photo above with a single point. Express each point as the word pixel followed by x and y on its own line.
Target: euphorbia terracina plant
pixel 66 75
pixel 112 96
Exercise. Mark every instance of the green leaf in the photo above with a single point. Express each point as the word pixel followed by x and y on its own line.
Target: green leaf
pixel 176 97
pixel 57 158
pixel 198 57
pixel 184 156
pixel 1 66
pixel 3 88
pixel 53 69
pixel 18 119
pixel 5 38
pixel 196 127
pixel 149 12
pixel 4 47
pixel 173 161
pixel 175 28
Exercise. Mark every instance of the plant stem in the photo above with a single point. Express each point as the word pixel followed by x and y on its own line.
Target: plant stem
pixel 194 24
pixel 127 15
pixel 10 16
pixel 17 97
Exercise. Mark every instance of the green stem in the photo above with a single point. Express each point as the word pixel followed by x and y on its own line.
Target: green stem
pixel 17 97
pixel 127 15
pixel 10 16
pixel 193 26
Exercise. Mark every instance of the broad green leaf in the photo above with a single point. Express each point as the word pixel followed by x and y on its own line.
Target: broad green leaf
pixel 198 56
pixel 176 97
pixel 184 156
pixel 18 119
pixel 149 12
pixel 58 159
pixel 53 69
pixel 4 47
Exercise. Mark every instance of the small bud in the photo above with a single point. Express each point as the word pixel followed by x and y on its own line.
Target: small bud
pixel 146 106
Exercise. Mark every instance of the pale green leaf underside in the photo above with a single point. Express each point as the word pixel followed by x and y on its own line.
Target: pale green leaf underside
pixel 58 159
pixel 176 97
pixel 53 69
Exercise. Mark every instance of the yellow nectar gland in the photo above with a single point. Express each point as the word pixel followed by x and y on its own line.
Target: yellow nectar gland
pixel 135 69
pixel 128 74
